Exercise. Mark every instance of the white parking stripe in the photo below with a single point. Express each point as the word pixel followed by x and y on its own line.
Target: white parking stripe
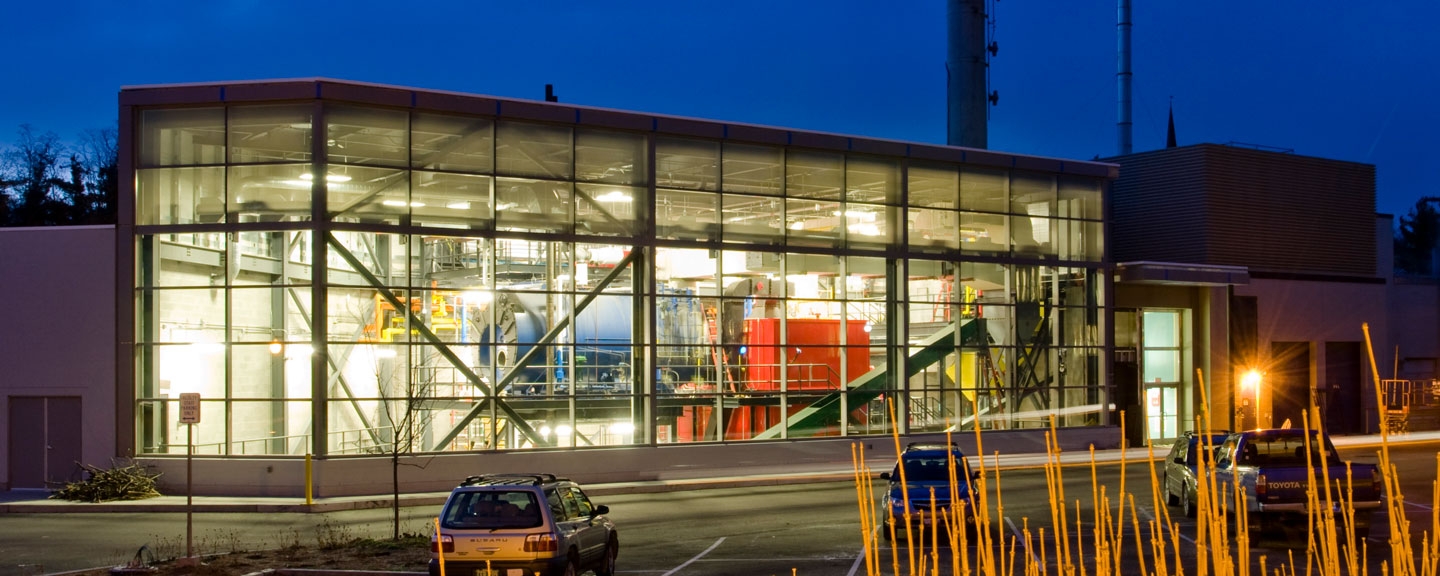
pixel 1034 560
pixel 697 557
pixel 1409 503
pixel 1151 518
pixel 856 566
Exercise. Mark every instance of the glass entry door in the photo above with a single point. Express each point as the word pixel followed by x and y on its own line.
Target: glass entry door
pixel 1162 370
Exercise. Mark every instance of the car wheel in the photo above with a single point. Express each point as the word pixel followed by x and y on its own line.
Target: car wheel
pixel 1170 498
pixel 1187 507
pixel 572 566
pixel 607 563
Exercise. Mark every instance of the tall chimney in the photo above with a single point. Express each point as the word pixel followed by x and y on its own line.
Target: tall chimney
pixel 965 74
pixel 1122 77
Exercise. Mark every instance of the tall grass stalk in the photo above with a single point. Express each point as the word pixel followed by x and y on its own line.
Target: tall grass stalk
pixel 1332 548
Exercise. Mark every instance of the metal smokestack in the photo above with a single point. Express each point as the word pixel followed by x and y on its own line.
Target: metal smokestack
pixel 965 74
pixel 1122 77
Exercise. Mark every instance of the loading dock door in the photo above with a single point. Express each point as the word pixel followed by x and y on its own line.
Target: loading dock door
pixel 44 441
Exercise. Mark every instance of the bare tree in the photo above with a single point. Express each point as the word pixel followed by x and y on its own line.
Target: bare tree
pixel 406 416
pixel 37 188
pixel 31 170
pixel 100 157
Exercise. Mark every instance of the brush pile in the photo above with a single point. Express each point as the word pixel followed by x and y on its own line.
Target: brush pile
pixel 128 482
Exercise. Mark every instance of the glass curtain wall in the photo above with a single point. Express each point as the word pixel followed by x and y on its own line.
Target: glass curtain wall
pixel 349 280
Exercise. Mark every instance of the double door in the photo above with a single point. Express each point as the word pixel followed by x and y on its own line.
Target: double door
pixel 44 434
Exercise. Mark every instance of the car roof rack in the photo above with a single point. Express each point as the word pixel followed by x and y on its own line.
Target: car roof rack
pixel 1206 432
pixel 931 446
pixel 512 479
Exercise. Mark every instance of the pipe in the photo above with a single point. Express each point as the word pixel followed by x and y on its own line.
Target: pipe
pixel 965 65
pixel 1123 124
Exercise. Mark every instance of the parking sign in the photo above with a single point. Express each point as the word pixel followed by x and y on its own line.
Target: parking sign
pixel 189 408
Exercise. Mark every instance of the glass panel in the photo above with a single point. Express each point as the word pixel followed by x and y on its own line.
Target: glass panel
pixel 180 259
pixel 1161 329
pixel 1031 235
pixel 364 315
pixel 687 215
pixel 868 225
pixel 872 180
pixel 451 200
pixel 533 150
pixel 533 205
pixel 195 315
pixel 270 258
pixel 610 157
pixel 367 136
pixel 1077 240
pixel 607 210
pixel 369 195
pixel 269 428
pixel 269 315
pixel 934 228
pixel 753 169
pixel 819 175
pixel 278 370
pixel 1162 365
pixel 386 256
pixel 812 222
pixel 269 193
pixel 984 190
pixel 687 164
pixel 182 137
pixel 934 186
pixel 1081 198
pixel 180 196
pixel 1032 194
pixel 752 219
pixel 198 367
pixel 687 418
pixel 439 142
pixel 270 133
pixel 984 233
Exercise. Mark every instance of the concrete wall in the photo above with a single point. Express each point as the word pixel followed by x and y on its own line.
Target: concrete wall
pixel 59 329
pixel 371 476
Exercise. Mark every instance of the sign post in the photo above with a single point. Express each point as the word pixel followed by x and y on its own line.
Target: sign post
pixel 189 416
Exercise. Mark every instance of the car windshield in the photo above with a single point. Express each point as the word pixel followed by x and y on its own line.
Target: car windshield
pixel 932 469
pixel 492 509
pixel 1199 446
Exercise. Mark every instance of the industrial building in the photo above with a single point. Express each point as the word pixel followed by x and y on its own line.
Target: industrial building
pixel 343 269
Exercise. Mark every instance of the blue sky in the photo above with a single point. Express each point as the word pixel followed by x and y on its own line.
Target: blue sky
pixel 1355 81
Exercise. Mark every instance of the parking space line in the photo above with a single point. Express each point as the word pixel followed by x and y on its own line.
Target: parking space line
pixel 697 557
pixel 1151 517
pixel 1422 506
pixel 856 566
pixel 1034 560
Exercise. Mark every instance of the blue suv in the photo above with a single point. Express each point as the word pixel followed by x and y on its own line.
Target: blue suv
pixel 927 478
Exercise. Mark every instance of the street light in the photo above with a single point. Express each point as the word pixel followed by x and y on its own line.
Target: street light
pixel 1251 381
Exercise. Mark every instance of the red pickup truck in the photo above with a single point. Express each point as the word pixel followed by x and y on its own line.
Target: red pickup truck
pixel 1273 469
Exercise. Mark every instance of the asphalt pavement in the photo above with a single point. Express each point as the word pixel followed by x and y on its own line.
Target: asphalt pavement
pixel 37 501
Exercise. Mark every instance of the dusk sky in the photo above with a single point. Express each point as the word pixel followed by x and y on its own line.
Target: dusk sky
pixel 1356 81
